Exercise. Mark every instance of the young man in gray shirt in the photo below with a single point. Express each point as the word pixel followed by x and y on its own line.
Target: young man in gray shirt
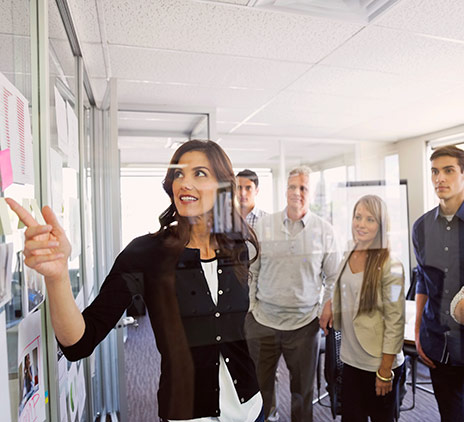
pixel 291 281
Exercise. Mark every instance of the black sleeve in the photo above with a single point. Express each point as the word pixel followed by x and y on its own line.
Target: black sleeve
pixel 116 293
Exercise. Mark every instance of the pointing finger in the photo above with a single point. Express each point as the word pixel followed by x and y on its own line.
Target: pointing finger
pixel 22 213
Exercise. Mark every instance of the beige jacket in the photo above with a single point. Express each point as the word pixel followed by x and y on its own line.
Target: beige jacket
pixel 382 330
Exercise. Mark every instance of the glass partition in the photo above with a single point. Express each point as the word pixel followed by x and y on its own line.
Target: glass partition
pixel 15 130
pixel 64 139
pixel 64 195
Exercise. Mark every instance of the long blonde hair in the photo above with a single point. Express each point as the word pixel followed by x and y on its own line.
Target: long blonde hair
pixel 377 254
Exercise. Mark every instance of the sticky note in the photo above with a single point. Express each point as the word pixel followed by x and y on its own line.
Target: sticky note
pixel 6 171
pixel 5 224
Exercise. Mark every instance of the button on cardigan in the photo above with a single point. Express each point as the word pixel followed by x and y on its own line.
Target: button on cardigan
pixel 189 334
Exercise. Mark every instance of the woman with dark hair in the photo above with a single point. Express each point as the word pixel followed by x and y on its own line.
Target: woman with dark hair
pixel 369 309
pixel 192 274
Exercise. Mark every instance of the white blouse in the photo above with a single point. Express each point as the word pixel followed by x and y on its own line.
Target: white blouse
pixel 232 410
pixel 459 296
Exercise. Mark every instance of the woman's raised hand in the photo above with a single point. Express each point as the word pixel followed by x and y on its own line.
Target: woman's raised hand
pixel 46 247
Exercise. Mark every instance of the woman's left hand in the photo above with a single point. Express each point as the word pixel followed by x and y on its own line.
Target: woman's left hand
pixel 382 388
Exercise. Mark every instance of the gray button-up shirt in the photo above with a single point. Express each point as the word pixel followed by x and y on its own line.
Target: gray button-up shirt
pixel 295 272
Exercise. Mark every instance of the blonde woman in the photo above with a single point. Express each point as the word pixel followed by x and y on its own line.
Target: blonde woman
pixel 369 308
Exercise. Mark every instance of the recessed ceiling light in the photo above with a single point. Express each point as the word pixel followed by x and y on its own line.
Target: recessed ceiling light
pixel 360 11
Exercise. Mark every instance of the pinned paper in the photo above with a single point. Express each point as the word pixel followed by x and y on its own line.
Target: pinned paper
pixel 56 174
pixel 4 379
pixel 6 171
pixel 61 122
pixel 30 370
pixel 62 383
pixel 73 138
pixel 15 131
pixel 33 289
pixel 72 396
pixel 6 272
pixel 81 394
pixel 74 227
pixel 5 223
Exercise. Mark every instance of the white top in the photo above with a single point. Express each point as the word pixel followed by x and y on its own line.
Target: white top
pixel 459 296
pixel 351 351
pixel 232 410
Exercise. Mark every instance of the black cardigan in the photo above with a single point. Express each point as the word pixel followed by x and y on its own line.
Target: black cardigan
pixel 190 330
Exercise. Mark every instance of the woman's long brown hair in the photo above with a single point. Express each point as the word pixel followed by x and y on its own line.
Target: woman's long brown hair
pixel 377 253
pixel 230 243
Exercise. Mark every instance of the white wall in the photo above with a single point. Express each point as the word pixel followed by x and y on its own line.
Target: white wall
pixel 369 159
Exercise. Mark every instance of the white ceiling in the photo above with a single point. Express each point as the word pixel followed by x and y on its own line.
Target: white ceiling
pixel 317 84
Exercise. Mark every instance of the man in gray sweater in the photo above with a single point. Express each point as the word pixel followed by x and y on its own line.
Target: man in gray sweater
pixel 290 283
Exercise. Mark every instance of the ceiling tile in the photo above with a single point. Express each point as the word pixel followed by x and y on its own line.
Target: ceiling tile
pixel 306 118
pixel 150 93
pixel 231 114
pixel 369 84
pixel 305 104
pixel 15 54
pixel 267 153
pixel 6 17
pixel 415 119
pixel 94 60
pixel 98 88
pixel 14 17
pixel 85 17
pixel 202 69
pixel 215 28
pixel 55 24
pixel 236 2
pixel 441 18
pixel 285 130
pixel 159 122
pixel 63 54
pixel 386 50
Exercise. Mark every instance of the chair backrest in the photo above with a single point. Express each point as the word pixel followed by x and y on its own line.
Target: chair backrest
pixel 412 287
pixel 333 370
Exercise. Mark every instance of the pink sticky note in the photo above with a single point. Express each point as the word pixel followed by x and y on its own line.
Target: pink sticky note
pixel 6 171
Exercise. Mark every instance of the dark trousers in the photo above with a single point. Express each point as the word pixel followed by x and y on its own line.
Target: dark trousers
pixel 300 349
pixel 448 387
pixel 359 400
